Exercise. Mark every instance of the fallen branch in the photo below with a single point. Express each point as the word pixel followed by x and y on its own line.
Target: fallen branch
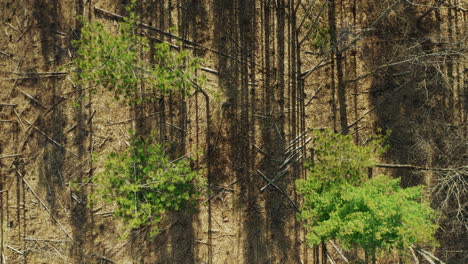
pixel 339 251
pixel 173 126
pixel 280 174
pixel 8 55
pixel 46 240
pixel 292 142
pixel 31 97
pixel 131 119
pixel 104 13
pixel 105 213
pixel 209 70
pixel 279 189
pixel 314 96
pixel 18 66
pixel 104 141
pixel 43 204
pixel 319 65
pixel 71 128
pixel 375 106
pixel 52 140
pixel 414 167
pixel 25 31
pixel 271 182
pixel 31 124
pixel 20 122
pixel 331 259
pixel 429 256
pixel 35 74
pixel 10 156
pixel 31 77
pixel 15 250
pixel 261 151
pixel 104 258
pixel 6 104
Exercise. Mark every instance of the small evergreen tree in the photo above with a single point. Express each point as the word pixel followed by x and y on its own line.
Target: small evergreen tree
pixel 341 203
pixel 144 184
pixel 119 62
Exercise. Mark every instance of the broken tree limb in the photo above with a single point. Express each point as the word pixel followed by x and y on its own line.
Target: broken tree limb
pixel 46 240
pixel 299 147
pixel 279 189
pixel 15 250
pixel 291 143
pixel 271 182
pixel 20 122
pixel 104 258
pixel 31 77
pixel 376 106
pixel 280 174
pixel 261 151
pixel 414 167
pixel 55 142
pixel 339 251
pixel 18 66
pixel 104 13
pixel 31 98
pixel 51 139
pixel 44 205
pixel 314 95
pixel 10 156
pixel 131 119
pixel 8 55
pixel 28 130
pixel 428 256
pixel 316 67
pixel 215 72
pixel 6 104
pixel 36 74
pixel 173 126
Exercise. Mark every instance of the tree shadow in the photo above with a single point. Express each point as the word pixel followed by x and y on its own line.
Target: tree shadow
pixel 410 97
pixel 174 244
pixel 52 164
pixel 416 101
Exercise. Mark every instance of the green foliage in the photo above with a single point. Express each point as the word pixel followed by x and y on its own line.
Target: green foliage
pixel 317 29
pixel 339 160
pixel 320 37
pixel 381 214
pixel 120 62
pixel 341 203
pixel 144 184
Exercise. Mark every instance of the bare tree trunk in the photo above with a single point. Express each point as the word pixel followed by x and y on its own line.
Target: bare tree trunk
pixel 354 66
pixel 332 29
pixel 324 253
pixel 339 66
pixel 316 255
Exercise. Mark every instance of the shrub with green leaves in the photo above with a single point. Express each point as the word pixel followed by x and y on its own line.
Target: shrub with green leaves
pixel 341 203
pixel 381 214
pixel 144 184
pixel 120 62
pixel 338 160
